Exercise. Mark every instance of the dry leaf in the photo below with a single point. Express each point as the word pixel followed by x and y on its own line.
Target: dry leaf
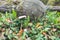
pixel 38 24
pixel 8 20
pixel 20 32
pixel 54 29
pixel 44 33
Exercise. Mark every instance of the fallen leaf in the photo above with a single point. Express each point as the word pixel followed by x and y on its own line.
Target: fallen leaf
pixel 54 29
pixel 38 24
pixel 20 32
pixel 44 33
pixel 8 20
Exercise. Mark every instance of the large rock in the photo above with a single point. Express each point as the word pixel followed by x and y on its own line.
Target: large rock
pixel 34 8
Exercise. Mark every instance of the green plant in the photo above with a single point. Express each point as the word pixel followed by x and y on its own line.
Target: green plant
pixel 18 28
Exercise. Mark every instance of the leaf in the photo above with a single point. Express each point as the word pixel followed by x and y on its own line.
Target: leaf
pixel 7 15
pixel 20 32
pixel 14 14
pixel 26 22
pixel 38 24
pixel 8 20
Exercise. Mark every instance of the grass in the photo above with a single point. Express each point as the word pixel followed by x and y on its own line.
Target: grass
pixel 14 28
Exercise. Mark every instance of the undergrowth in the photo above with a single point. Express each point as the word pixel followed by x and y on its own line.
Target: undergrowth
pixel 21 28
